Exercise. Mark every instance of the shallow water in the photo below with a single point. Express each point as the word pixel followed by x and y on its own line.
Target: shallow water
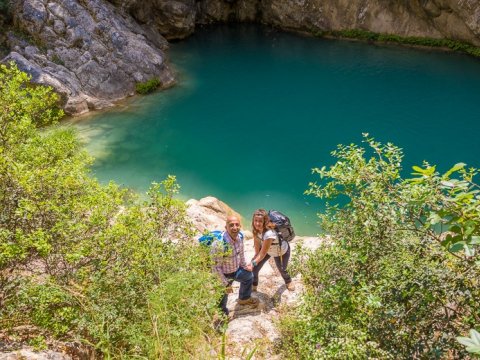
pixel 256 109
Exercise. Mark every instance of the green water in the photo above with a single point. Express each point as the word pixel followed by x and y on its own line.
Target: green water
pixel 255 110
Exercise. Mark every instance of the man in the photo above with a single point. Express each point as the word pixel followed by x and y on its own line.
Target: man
pixel 230 265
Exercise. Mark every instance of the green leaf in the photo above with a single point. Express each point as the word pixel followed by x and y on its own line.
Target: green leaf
pixel 448 184
pixel 456 229
pixel 472 344
pixel 469 250
pixel 434 218
pixel 455 168
pixel 475 336
pixel 446 242
pixel 418 169
pixel 427 172
pixel 465 341
pixel 457 247
pixel 475 240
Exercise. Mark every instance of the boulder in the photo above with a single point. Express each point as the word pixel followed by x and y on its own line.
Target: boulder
pixel 209 213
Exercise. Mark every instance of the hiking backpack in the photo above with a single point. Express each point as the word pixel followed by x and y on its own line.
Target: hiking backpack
pixel 283 226
pixel 209 237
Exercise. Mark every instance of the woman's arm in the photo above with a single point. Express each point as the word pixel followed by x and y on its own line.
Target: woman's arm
pixel 257 243
pixel 263 251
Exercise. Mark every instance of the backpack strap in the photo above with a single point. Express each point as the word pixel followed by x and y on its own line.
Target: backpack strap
pixel 280 240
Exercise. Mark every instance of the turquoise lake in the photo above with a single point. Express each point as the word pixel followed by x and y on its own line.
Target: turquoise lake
pixel 255 109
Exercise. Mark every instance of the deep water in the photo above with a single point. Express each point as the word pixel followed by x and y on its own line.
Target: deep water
pixel 256 109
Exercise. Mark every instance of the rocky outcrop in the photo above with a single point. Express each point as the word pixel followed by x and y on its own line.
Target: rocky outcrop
pixel 453 19
pixel 89 52
pixel 174 19
pixel 93 52
pixel 209 213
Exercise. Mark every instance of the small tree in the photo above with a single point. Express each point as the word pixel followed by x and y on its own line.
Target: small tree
pixel 392 282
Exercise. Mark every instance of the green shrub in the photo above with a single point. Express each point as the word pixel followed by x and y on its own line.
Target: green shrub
pixel 80 260
pixel 406 40
pixel 148 86
pixel 390 283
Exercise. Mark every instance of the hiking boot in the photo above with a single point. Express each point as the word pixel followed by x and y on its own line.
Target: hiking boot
pixel 250 301
pixel 254 288
pixel 291 286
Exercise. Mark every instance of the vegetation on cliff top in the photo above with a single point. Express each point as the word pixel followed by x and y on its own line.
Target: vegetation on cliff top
pixel 366 35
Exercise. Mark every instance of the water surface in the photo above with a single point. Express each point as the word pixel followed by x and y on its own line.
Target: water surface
pixel 256 109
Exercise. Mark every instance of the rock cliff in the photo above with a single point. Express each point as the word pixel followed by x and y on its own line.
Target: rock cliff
pixel 453 19
pixel 87 50
pixel 93 51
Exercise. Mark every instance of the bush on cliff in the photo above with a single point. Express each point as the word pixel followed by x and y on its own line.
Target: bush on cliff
pixel 392 283
pixel 147 87
pixel 87 262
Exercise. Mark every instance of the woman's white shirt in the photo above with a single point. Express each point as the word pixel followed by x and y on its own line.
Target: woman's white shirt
pixel 274 249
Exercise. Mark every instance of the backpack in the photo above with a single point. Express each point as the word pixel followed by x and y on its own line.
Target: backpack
pixel 209 237
pixel 283 227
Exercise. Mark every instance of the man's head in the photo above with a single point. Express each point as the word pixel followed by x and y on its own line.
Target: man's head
pixel 233 226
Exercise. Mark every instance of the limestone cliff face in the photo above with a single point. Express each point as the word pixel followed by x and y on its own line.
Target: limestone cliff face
pixel 174 19
pixel 94 51
pixel 88 51
pixel 454 19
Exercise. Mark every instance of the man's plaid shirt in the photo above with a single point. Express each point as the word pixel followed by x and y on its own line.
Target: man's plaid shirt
pixel 227 262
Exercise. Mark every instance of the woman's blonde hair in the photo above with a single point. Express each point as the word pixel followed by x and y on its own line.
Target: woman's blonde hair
pixel 267 223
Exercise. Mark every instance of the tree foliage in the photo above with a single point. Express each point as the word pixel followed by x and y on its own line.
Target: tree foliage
pixel 399 275
pixel 88 262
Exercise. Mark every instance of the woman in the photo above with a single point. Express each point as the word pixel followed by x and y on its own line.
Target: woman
pixel 267 245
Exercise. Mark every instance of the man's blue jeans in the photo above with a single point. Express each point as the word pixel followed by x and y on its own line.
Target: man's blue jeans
pixel 245 278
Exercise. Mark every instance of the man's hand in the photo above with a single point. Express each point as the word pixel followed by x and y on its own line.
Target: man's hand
pixel 248 267
pixel 229 289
